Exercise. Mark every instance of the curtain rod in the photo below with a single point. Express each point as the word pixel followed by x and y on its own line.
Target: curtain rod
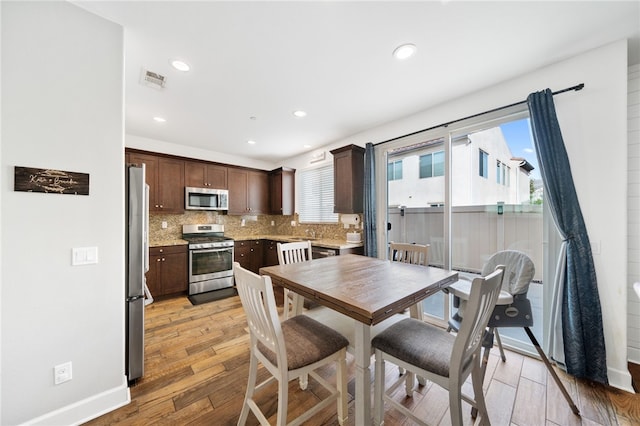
pixel 568 89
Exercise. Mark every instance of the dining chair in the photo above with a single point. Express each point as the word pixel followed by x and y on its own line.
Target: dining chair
pixel 293 253
pixel 416 254
pixel 438 355
pixel 288 350
pixel 513 308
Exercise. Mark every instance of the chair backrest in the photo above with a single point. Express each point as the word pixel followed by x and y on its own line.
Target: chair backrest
pixel 294 252
pixel 259 303
pixel 482 301
pixel 409 253
pixel 519 270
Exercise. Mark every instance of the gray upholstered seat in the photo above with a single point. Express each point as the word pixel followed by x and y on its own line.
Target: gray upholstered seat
pixel 438 356
pixel 307 341
pixel 289 350
pixel 419 344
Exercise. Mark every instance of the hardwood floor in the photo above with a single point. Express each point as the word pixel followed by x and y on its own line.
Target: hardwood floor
pixel 196 369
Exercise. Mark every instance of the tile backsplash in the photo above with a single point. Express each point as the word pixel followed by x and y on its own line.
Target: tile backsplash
pixel 245 226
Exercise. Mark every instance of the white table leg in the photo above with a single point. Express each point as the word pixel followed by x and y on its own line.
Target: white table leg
pixel 298 304
pixel 416 311
pixel 363 373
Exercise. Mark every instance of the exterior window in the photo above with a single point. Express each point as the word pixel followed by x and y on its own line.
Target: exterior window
pixel 432 165
pixel 483 166
pixel 502 173
pixel 315 195
pixel 394 170
pixel 507 180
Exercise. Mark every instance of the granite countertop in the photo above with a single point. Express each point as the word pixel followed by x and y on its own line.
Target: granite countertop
pixel 174 242
pixel 319 242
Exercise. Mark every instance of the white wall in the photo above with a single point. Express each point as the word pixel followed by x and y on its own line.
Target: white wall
pixel 593 122
pixel 62 108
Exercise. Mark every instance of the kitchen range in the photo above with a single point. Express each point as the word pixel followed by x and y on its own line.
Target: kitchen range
pixel 210 257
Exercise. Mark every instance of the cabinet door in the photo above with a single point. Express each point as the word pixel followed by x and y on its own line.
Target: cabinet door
pixel 171 185
pixel 238 180
pixel 217 177
pixel 174 273
pixel 195 174
pixel 151 170
pixel 242 253
pixel 258 190
pixel 202 175
pixel 348 179
pixel 255 256
pixel 270 253
pixel 153 275
pixel 282 191
pixel 248 254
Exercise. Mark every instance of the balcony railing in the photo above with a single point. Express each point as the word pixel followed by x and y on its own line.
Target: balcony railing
pixel 477 233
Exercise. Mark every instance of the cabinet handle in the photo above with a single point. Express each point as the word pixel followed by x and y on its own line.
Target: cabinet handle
pixel 157 260
pixel 161 206
pixel 161 250
pixel 157 206
pixel 163 259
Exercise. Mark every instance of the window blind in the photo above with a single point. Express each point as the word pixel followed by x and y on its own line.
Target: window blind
pixel 315 195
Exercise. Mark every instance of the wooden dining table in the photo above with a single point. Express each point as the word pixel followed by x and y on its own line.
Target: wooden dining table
pixel 366 289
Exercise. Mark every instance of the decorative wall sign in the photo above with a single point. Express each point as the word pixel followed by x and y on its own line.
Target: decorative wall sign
pixel 29 179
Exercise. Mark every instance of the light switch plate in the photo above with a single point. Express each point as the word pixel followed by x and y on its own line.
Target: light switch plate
pixel 84 255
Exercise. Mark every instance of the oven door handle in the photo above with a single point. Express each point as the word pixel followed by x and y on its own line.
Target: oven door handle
pixel 211 250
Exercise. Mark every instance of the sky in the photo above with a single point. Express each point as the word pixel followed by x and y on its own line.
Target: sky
pixel 518 136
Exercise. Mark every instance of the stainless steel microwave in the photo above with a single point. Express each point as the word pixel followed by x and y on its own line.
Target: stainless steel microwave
pixel 206 199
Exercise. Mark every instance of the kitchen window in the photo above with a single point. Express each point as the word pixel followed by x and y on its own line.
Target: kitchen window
pixel 315 195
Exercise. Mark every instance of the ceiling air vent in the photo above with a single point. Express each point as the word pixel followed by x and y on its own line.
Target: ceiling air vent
pixel 152 79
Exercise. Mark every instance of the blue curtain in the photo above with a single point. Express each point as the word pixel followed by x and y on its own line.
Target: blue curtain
pixel 582 332
pixel 369 222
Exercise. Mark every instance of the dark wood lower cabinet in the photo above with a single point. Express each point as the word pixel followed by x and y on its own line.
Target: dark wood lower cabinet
pixel 248 253
pixel 167 270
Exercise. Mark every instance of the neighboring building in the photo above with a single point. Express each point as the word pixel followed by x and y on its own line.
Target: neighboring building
pixel 484 172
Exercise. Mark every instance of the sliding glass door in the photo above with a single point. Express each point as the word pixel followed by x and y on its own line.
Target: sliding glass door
pixel 469 192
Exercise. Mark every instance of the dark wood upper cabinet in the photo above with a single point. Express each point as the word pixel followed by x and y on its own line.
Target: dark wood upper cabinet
pixel 348 179
pixel 203 175
pixel 165 177
pixel 248 191
pixel 282 191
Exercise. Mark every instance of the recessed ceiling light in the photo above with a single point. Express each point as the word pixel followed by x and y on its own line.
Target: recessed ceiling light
pixel 251 142
pixel 180 65
pixel 299 114
pixel 404 51
pixel 159 119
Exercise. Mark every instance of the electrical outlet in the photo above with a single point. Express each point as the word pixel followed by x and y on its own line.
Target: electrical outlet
pixel 62 373
pixel 164 224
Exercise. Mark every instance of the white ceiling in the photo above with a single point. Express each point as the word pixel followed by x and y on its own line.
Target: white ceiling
pixel 334 60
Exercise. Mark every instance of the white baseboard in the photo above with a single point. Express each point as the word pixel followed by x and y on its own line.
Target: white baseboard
pixel 633 355
pixel 86 409
pixel 620 379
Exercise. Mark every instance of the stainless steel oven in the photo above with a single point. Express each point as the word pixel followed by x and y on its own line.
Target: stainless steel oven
pixel 210 258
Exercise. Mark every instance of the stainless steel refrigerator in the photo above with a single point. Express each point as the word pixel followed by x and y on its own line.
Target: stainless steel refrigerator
pixel 137 257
